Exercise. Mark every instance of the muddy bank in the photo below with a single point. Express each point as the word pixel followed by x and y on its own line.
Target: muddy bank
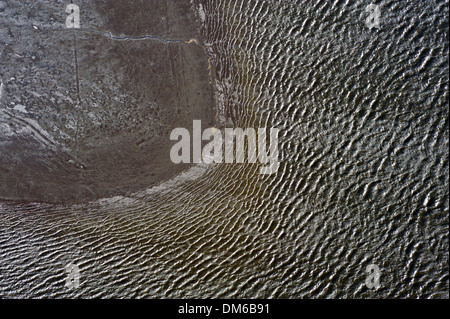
pixel 87 113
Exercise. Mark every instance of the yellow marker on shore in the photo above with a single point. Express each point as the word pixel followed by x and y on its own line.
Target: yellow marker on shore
pixel 192 40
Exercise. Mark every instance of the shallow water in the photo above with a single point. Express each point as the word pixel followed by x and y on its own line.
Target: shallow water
pixel 363 177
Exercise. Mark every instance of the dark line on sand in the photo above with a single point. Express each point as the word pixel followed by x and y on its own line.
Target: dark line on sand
pixel 75 51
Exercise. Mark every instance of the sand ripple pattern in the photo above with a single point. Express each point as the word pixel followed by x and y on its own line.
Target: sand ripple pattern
pixel 363 178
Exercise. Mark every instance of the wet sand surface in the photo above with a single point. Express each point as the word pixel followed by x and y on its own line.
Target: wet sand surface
pixel 87 113
pixel 364 143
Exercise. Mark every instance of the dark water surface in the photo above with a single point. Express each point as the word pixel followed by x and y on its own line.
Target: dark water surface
pixel 363 178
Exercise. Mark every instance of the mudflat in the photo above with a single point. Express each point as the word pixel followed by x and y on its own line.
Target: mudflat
pixel 87 113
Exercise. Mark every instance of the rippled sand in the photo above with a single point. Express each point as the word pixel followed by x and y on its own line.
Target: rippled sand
pixel 363 175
